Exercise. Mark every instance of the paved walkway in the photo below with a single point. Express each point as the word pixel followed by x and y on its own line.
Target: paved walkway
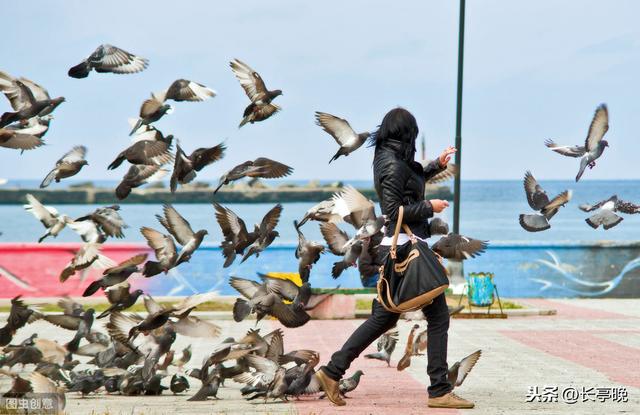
pixel 590 344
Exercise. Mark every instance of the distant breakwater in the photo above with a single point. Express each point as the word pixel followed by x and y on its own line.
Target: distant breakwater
pixel 91 195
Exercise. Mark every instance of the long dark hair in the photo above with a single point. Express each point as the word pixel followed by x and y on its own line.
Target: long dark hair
pixel 398 130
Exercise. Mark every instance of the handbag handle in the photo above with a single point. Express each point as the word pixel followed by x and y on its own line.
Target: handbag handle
pixel 405 227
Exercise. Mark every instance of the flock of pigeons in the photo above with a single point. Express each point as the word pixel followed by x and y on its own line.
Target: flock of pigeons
pixel 605 211
pixel 136 354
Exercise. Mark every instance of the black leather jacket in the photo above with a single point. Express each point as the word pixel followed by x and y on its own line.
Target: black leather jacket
pixel 401 183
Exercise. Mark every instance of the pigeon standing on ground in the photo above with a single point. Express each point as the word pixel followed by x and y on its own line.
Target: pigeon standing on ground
pixel 458 248
pixel 48 216
pixel 69 165
pixel 340 244
pixel 185 167
pixel 138 175
pixel 261 107
pixel 307 253
pixel 107 58
pixel 342 132
pixel 386 345
pixel 351 383
pixel 261 167
pixel 606 209
pixel 178 384
pixel 27 99
pixel 459 370
pixel 594 144
pixel 538 200
pixel 209 376
pixel 267 373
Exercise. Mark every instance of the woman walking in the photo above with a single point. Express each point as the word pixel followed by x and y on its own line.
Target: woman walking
pixel 400 181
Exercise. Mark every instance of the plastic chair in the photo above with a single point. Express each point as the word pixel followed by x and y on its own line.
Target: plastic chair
pixel 481 290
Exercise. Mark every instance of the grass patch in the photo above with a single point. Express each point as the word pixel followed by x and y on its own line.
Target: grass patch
pixel 363 304
pixel 453 299
pixel 348 291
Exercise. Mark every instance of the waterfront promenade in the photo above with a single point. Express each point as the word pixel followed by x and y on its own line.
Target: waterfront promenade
pixel 590 344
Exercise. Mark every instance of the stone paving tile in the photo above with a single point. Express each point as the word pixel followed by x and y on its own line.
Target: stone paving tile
pixel 580 346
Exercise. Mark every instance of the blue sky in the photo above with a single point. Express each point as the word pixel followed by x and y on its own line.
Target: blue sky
pixel 533 70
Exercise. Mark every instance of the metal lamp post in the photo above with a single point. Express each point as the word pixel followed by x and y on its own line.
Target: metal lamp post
pixel 456 269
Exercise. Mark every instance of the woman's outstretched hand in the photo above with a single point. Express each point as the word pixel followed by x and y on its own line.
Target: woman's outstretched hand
pixel 446 155
pixel 438 205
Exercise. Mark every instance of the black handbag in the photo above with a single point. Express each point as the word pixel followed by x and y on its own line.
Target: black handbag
pixel 411 275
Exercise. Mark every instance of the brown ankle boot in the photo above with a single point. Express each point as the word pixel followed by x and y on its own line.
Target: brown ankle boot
pixel 330 388
pixel 450 400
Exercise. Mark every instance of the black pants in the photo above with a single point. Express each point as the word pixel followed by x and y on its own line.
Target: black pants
pixel 381 320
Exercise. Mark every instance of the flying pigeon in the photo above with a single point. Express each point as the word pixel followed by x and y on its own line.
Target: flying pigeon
pixel 437 226
pixel 185 90
pixel 120 297
pixel 234 230
pixel 165 249
pixel 264 300
pixel 356 209
pixel 538 200
pixel 459 370
pixel 116 275
pixel 605 215
pixel 88 255
pixel 324 211
pixel 348 140
pixel 386 345
pixel 186 167
pixel 69 165
pixel 340 244
pixel 107 58
pixel 448 173
pixel 27 99
pixel 181 230
pixel 48 216
pixel 458 247
pixel 108 220
pixel 594 145
pixel 266 233
pixel 260 167
pixel 147 152
pixel 138 175
pixel 19 139
pixel 19 316
pixel 151 110
pixel 261 107
pixel 405 361
pixel 307 253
